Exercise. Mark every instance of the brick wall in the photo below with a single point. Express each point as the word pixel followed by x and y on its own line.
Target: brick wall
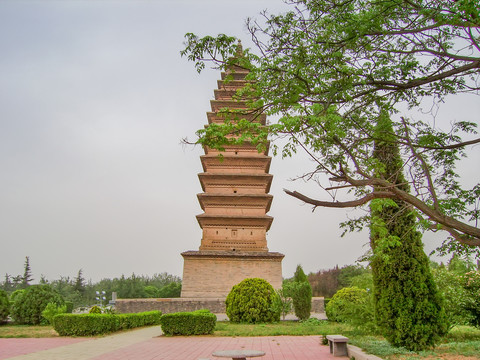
pixel 166 306
pixel 213 277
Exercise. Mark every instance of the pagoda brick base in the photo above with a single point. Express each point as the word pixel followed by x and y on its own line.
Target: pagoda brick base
pixel 212 274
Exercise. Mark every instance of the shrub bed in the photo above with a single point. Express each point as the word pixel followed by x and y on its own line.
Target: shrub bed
pixel 96 324
pixel 200 322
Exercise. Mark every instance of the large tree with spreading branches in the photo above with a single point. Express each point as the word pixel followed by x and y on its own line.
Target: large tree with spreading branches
pixel 328 68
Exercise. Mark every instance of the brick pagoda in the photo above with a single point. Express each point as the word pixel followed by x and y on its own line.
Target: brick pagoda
pixel 235 201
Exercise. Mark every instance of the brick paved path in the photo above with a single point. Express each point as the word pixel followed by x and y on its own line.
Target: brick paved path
pixel 146 344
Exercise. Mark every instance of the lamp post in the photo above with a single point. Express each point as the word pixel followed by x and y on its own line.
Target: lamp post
pixel 100 297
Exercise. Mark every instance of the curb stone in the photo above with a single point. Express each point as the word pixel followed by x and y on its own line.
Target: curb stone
pixel 358 354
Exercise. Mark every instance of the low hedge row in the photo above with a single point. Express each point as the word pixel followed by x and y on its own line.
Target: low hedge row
pixel 200 322
pixel 96 324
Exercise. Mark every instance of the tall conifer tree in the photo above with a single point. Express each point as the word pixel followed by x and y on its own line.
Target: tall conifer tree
pixel 408 307
pixel 27 273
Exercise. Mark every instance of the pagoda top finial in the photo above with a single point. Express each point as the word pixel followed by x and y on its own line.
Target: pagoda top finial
pixel 239 48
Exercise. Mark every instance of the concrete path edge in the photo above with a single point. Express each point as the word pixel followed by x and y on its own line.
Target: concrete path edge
pixel 358 354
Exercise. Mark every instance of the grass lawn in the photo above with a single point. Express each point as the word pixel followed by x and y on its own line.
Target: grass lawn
pixel 26 331
pixel 225 328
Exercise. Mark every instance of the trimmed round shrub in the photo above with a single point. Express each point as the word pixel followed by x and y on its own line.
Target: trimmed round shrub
pixel 4 306
pixel 252 301
pixel 28 305
pixel 343 305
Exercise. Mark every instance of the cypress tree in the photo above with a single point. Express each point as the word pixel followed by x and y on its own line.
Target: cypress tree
pixel 301 293
pixel 408 307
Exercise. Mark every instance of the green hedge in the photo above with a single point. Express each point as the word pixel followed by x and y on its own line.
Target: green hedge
pixel 200 322
pixel 96 324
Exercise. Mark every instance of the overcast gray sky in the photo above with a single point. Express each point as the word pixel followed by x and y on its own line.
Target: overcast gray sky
pixel 94 100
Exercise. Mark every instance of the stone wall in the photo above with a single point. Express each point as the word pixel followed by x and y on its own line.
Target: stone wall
pixel 166 306
pixel 318 305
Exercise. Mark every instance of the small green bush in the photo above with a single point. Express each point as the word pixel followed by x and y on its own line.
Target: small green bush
pixel 351 305
pixel 69 305
pixel 455 297
pixel 51 310
pixel 97 324
pixel 4 306
pixel 95 310
pixel 200 322
pixel 252 301
pixel 28 305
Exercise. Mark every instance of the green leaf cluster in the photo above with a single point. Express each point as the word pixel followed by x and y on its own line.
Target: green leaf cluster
pixel 53 309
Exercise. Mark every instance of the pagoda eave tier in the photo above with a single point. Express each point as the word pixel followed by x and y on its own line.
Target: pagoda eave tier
pixel 238 74
pixel 244 148
pixel 236 164
pixel 206 220
pixel 235 183
pixel 230 85
pixel 232 93
pixel 261 201
pixel 250 115
pixel 233 254
pixel 218 105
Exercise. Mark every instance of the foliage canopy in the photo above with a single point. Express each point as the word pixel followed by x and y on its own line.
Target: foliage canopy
pixel 329 68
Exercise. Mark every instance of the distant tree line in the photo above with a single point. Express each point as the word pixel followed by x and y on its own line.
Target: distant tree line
pixel 81 292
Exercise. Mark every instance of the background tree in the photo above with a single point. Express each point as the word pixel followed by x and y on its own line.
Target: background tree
pixel 79 285
pixel 329 68
pixel 7 284
pixel 27 273
pixel 408 307
pixel 327 282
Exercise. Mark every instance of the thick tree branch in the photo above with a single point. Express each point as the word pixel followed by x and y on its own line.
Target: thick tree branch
pixel 340 204
pixel 464 233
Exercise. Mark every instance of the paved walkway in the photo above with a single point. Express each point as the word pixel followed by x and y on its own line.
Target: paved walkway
pixel 147 344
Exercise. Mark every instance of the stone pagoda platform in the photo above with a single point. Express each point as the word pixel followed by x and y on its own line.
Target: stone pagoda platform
pixel 235 201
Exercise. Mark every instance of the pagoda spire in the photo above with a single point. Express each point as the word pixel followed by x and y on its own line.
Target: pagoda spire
pixel 235 201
